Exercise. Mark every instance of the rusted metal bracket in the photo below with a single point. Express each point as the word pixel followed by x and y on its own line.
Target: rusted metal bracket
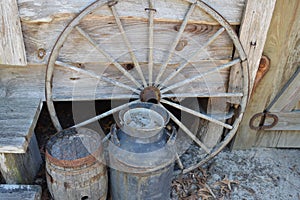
pixel 282 105
pixel 263 116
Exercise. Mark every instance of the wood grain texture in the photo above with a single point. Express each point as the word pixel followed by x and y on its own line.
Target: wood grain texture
pixel 12 50
pixel 216 106
pixel 288 98
pixel 21 168
pixel 282 47
pixel 18 117
pixel 253 33
pixel 39 38
pixel 287 121
pixel 43 21
pixel 77 170
pixel 24 192
pixel 43 11
pixel 17 82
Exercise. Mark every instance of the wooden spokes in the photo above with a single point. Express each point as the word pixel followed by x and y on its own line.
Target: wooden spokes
pixel 131 83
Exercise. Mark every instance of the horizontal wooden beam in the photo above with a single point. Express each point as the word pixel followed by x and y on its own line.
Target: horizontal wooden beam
pixel 39 41
pixel 68 85
pixel 43 11
pixel 287 121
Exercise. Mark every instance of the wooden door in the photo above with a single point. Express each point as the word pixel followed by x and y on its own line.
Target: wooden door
pixel 283 49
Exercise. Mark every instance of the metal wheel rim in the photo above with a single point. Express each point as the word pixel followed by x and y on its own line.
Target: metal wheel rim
pixel 244 66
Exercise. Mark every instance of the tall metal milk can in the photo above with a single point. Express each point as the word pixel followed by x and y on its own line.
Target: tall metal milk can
pixel 142 154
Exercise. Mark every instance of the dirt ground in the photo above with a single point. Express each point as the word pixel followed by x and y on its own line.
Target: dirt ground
pixel 255 174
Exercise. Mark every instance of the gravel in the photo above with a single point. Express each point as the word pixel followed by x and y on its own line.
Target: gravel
pixel 255 174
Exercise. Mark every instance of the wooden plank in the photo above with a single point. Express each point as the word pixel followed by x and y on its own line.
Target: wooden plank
pixel 217 106
pixel 253 33
pixel 297 106
pixel 137 33
pixel 16 82
pixel 236 82
pixel 22 82
pixel 279 139
pixel 12 50
pixel 24 192
pixel 287 121
pixel 13 144
pixel 41 34
pixel 288 139
pixel 16 133
pixel 43 11
pixel 289 96
pixel 282 47
pixel 21 168
pixel 39 40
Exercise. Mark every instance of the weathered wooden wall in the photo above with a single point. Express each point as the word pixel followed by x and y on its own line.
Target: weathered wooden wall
pixel 43 21
pixel 283 48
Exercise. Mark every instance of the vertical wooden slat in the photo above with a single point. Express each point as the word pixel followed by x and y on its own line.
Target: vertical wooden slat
pixel 297 106
pixel 21 168
pixel 12 50
pixel 253 32
pixel 214 131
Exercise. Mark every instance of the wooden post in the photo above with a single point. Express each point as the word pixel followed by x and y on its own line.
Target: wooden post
pixel 21 168
pixel 12 50
pixel 215 131
pixel 253 33
pixel 20 157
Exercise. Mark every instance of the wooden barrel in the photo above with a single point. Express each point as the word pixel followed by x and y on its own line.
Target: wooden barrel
pixel 75 167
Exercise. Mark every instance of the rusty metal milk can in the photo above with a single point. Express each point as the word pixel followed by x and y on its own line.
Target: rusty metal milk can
pixel 142 154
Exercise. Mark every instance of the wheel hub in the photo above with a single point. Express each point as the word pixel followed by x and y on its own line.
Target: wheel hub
pixel 150 94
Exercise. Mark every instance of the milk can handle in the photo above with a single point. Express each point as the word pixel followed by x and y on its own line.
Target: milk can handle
pixel 113 131
pixel 173 136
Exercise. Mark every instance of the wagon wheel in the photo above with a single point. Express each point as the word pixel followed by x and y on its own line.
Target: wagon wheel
pixel 156 80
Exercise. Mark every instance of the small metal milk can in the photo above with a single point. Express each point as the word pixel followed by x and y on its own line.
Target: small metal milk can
pixel 142 154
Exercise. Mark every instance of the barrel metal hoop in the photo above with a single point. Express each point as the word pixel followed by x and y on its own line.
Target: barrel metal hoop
pixel 88 160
